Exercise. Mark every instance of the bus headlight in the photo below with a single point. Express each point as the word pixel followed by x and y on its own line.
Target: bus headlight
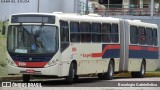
pixel 52 63
pixel 10 62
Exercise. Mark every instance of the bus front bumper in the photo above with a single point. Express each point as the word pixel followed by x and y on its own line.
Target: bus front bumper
pixel 33 71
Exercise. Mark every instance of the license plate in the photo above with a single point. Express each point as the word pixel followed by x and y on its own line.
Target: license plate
pixel 30 71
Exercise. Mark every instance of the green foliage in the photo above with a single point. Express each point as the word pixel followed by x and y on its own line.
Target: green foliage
pixel 2 47
pixel 158 70
pixel 2 52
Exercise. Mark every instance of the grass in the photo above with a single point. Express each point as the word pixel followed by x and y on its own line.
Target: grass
pixel 3 70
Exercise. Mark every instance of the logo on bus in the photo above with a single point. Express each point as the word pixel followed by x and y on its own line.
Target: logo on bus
pixel 86 55
pixel 21 64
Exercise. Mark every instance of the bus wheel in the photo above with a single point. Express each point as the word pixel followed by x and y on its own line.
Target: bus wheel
pixel 141 73
pixel 109 74
pixel 26 78
pixel 71 75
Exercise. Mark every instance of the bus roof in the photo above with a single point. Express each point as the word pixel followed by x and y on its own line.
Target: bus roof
pixel 87 18
pixel 77 17
pixel 91 18
pixel 143 24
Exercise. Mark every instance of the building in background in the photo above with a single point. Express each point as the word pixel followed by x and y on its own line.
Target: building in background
pixel 130 7
pixel 110 7
pixel 114 7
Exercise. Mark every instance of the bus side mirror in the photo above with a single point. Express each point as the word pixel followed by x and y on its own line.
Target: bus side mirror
pixel 3 29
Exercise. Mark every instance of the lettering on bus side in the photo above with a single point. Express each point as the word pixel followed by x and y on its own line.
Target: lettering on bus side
pixel 86 55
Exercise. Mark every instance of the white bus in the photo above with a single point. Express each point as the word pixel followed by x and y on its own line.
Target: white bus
pixel 71 45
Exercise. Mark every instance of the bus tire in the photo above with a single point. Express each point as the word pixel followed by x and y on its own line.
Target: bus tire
pixel 26 78
pixel 71 75
pixel 109 75
pixel 76 77
pixel 141 73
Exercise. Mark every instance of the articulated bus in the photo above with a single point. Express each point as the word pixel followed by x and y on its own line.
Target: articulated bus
pixel 71 45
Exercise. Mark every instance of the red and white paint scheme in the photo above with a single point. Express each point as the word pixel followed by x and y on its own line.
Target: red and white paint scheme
pixel 72 45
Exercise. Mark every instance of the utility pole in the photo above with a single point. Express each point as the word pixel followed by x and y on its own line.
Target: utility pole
pixel 152 8
pixel 108 7
pixel 87 10
pixel 38 7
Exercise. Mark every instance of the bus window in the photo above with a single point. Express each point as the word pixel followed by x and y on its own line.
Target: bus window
pixel 96 32
pixel 133 35
pixel 74 32
pixel 114 33
pixel 149 36
pixel 155 42
pixel 106 32
pixel 74 27
pixel 85 32
pixel 85 37
pixel 142 35
pixel 64 35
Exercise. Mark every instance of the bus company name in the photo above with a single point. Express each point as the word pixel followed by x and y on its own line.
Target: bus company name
pixel 14 1
pixel 86 55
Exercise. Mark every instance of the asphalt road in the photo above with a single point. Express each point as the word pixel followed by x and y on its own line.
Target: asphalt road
pixel 95 82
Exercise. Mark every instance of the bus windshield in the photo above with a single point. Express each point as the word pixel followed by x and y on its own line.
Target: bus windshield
pixel 32 39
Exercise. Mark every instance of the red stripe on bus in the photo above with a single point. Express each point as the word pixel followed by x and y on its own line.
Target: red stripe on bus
pixel 143 48
pixel 31 64
pixel 107 47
